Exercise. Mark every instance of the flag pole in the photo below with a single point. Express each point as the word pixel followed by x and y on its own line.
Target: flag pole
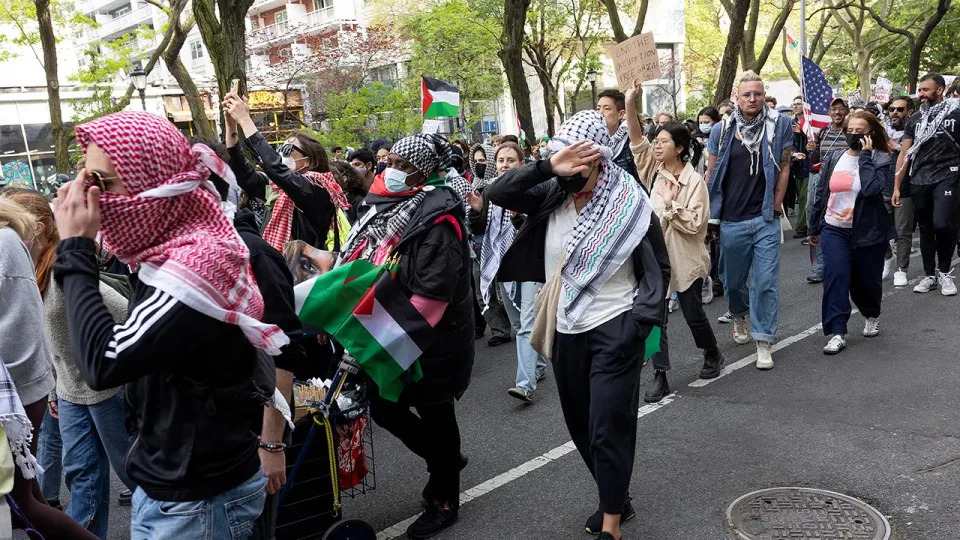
pixel 803 28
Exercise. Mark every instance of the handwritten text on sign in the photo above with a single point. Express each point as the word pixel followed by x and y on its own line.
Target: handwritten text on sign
pixel 635 59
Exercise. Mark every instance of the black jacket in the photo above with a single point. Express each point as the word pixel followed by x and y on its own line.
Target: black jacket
pixel 276 286
pixel 531 190
pixel 435 264
pixel 871 221
pixel 625 161
pixel 314 209
pixel 187 447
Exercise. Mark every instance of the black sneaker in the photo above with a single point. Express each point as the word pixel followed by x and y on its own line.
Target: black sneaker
pixel 125 497
pixel 812 278
pixel 711 365
pixel 497 341
pixel 660 388
pixel 432 521
pixel 523 394
pixel 427 493
pixel 594 523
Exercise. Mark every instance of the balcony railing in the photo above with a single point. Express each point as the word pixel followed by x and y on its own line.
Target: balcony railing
pixel 135 17
pixel 293 27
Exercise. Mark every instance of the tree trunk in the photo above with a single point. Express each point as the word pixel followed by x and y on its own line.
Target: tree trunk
pixel 728 64
pixel 47 40
pixel 225 40
pixel 511 55
pixel 171 57
pixel 864 73
pixel 748 51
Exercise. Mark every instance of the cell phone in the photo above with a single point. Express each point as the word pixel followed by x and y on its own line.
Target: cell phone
pixel 235 86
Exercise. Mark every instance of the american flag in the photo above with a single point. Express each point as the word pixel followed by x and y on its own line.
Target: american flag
pixel 817 95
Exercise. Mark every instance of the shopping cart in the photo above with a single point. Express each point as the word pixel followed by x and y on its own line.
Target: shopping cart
pixel 310 502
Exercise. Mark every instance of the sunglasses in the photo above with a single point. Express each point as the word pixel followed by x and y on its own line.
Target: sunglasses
pixel 286 149
pixel 96 178
pixel 896 109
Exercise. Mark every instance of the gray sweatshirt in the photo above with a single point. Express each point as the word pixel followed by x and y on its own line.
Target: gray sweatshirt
pixel 23 341
pixel 71 386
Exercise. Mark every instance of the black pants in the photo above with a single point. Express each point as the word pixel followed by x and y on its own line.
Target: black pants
pixel 937 215
pixel 431 433
pixel 691 305
pixel 849 272
pixel 598 379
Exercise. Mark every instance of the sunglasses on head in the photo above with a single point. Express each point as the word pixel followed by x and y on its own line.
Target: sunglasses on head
pixel 896 109
pixel 286 149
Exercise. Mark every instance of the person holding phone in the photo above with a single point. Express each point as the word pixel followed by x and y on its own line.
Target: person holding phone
pixel 850 223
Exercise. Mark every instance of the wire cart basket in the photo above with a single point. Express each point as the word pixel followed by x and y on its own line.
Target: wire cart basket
pixel 331 456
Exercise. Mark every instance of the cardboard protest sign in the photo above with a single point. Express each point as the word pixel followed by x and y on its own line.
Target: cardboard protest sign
pixel 635 59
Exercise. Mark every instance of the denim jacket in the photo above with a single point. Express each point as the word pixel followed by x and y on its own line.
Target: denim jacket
pixel 782 140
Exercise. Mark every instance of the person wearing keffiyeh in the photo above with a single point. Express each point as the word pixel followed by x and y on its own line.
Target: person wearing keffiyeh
pixel 591 224
pixel 193 341
pixel 414 215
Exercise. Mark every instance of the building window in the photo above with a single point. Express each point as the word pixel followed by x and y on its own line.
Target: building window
pixel 122 11
pixel 196 50
pixel 281 20
pixel 323 4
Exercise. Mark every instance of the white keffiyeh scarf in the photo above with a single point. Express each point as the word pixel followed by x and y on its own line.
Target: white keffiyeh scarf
pixel 18 426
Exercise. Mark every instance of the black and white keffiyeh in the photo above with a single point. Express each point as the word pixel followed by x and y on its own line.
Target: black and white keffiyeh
pixel 931 119
pixel 609 227
pixel 753 133
pixel 17 425
pixel 427 152
pixel 490 172
pixel 496 241
pixel 373 238
pixel 460 185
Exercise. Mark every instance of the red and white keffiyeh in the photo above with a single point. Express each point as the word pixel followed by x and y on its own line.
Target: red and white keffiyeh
pixel 176 233
pixel 279 229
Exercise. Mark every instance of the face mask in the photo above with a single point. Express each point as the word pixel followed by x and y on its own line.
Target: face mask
pixel 572 184
pixel 289 162
pixel 705 128
pixel 480 169
pixel 381 167
pixel 362 171
pixel 855 141
pixel 395 180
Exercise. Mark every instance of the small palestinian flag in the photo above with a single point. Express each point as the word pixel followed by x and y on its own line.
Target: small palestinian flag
pixel 439 98
pixel 793 43
pixel 361 305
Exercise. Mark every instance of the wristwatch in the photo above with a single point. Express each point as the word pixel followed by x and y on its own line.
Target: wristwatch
pixel 778 213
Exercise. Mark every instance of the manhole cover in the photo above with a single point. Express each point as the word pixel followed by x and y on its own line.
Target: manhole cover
pixel 803 513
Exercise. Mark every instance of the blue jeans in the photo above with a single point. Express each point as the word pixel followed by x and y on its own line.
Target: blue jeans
pixel 50 452
pixel 751 249
pixel 529 362
pixel 227 516
pixel 816 254
pixel 94 438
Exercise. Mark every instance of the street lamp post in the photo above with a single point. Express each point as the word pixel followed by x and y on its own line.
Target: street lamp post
pixel 592 77
pixel 139 79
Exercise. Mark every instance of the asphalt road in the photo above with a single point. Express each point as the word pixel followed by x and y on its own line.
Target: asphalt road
pixel 879 422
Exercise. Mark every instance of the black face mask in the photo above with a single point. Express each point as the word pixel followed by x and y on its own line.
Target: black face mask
pixel 381 167
pixel 480 169
pixel 572 184
pixel 855 141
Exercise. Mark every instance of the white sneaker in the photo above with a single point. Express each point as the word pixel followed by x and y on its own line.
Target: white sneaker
pixel 927 284
pixel 900 278
pixel 888 267
pixel 764 355
pixel 706 296
pixel 835 345
pixel 947 287
pixel 872 327
pixel 726 318
pixel 674 303
pixel 741 331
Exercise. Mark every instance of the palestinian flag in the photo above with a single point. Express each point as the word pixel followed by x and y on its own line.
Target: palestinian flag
pixel 439 98
pixel 792 42
pixel 362 307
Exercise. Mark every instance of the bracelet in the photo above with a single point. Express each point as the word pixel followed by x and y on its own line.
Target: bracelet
pixel 271 446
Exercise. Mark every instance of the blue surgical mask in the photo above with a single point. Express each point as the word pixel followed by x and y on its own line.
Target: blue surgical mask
pixel 705 128
pixel 395 180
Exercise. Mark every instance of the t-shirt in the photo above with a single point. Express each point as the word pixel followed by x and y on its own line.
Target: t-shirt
pixel 614 297
pixel 844 188
pixel 742 192
pixel 939 157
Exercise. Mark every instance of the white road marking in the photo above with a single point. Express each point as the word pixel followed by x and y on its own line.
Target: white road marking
pixel 399 529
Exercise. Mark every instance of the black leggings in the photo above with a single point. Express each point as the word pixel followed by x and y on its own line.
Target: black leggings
pixel 691 304
pixel 936 210
pixel 50 522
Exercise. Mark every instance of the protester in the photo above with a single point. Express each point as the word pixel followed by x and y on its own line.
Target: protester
pixel 194 276
pixel 381 149
pixel 828 141
pixel 850 223
pixel 483 163
pixel 707 118
pixel 747 174
pixel 903 216
pixel 578 201
pixel 92 423
pixel 365 164
pixel 682 204
pixel 800 168
pixel 354 185
pixel 309 206
pixel 338 153
pixel 510 139
pixel 725 108
pixel 771 102
pixel 611 104
pixel 496 140
pixel 930 153
pixel 498 230
pixel 421 220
